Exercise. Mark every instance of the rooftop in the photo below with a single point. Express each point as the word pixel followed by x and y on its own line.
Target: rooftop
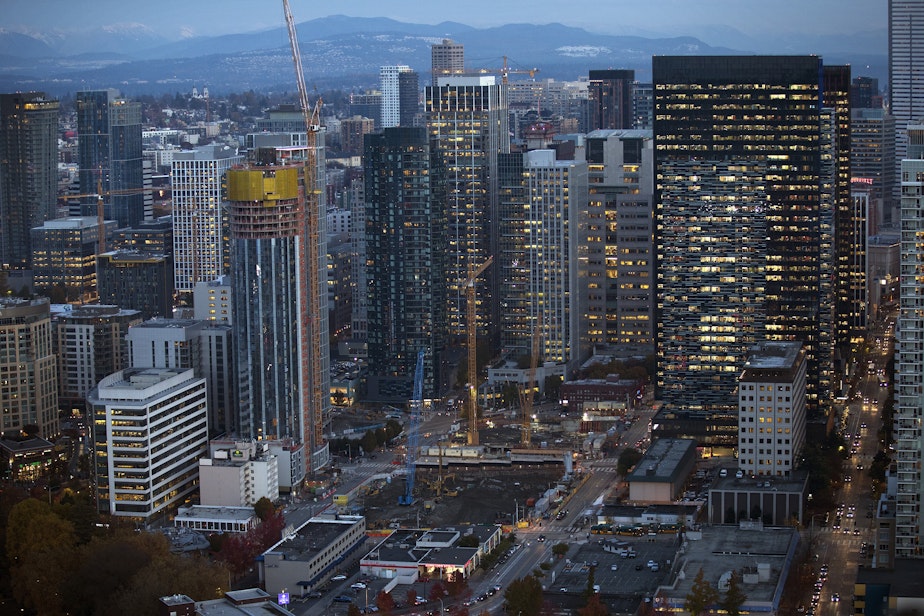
pixel 662 460
pixel 314 536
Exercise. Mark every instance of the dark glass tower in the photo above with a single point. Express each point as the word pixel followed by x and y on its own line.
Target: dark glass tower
pixel 609 95
pixel 406 257
pixel 28 168
pixel 745 167
pixel 109 155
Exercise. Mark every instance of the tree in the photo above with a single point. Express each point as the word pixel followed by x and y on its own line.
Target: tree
pixel 560 549
pixel 523 596
pixel 734 597
pixel 594 607
pixel 456 584
pixel 353 610
pixel 701 596
pixel 411 597
pixel 264 508
pixel 627 459
pixel 385 603
pixel 437 591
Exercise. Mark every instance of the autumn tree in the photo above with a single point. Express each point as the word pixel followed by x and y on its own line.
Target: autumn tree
pixel 411 597
pixel 437 591
pixel 456 584
pixel 594 607
pixel 627 459
pixel 734 596
pixel 264 508
pixel 385 602
pixel 701 596
pixel 523 596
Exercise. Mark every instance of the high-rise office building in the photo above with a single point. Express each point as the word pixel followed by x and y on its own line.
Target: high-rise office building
pixel 906 82
pixel 467 116
pixel 89 342
pixel 269 242
pixel 872 150
pixel 864 93
pixel 745 208
pixel 405 256
pixel 367 105
pixel 64 252
pixel 609 95
pixel 28 171
pixel 150 428
pixel 200 228
pixel 446 59
pixel 771 409
pixel 408 98
pixel 541 262
pixel 29 396
pixel 619 245
pixel 110 159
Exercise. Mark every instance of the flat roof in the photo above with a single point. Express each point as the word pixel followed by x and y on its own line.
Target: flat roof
pixel 795 483
pixel 209 512
pixel 906 579
pixel 722 550
pixel 662 460
pixel 773 355
pixel 313 537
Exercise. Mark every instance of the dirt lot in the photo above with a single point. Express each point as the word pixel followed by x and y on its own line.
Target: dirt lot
pixel 485 495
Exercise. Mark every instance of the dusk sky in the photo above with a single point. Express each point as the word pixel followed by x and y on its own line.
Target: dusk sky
pixel 176 18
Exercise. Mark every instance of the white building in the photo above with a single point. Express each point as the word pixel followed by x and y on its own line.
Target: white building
pixel 200 251
pixel 906 84
pixel 238 474
pixel 209 519
pixel 391 101
pixel 150 428
pixel 909 404
pixel 212 300
pixel 771 409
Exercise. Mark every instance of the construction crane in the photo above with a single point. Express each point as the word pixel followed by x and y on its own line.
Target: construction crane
pixel 473 273
pixel 527 389
pixel 505 70
pixel 310 259
pixel 412 435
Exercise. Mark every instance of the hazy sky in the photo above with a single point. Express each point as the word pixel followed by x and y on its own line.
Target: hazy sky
pixel 174 18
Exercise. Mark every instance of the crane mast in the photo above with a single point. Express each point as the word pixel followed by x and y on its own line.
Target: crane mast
pixel 526 390
pixel 310 282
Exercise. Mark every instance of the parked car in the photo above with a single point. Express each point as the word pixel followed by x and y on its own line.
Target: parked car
pixel 338 578
pixel 343 599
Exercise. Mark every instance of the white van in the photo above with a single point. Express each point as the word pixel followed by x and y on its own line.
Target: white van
pixel 723 473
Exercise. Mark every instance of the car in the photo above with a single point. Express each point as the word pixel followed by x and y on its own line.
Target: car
pixel 650 563
pixel 343 599
pixel 614 567
pixel 358 586
pixel 835 597
pixel 338 578
pixel 540 538
pixel 314 595
pixel 562 589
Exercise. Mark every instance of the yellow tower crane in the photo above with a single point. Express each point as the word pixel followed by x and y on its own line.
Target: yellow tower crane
pixel 505 70
pixel 311 312
pixel 472 325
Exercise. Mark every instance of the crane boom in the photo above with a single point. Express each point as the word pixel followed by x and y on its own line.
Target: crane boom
pixel 310 258
pixel 472 326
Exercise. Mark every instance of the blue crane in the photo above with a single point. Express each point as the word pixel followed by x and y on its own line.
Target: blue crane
pixel 412 436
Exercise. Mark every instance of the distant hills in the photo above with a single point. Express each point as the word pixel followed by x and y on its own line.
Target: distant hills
pixel 340 51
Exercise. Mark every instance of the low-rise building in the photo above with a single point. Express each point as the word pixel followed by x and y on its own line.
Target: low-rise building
pixel 216 519
pixel 307 557
pixel 245 602
pixel 238 474
pixel 661 474
pixel 774 501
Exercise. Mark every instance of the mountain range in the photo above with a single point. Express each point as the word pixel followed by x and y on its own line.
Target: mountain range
pixel 341 51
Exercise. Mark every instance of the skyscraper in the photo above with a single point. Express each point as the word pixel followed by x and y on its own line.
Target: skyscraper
pixel 906 425
pixel 906 82
pixel 28 171
pixel 467 117
pixel 391 93
pixel 544 278
pixel 446 59
pixel 405 256
pixel 200 228
pixel 408 98
pixel 609 94
pixel 64 252
pixel 109 155
pixel 269 239
pixel 745 164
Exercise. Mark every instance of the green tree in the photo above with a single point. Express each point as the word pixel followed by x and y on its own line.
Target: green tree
pixel 627 459
pixel 701 596
pixel 734 597
pixel 560 549
pixel 264 508
pixel 523 596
